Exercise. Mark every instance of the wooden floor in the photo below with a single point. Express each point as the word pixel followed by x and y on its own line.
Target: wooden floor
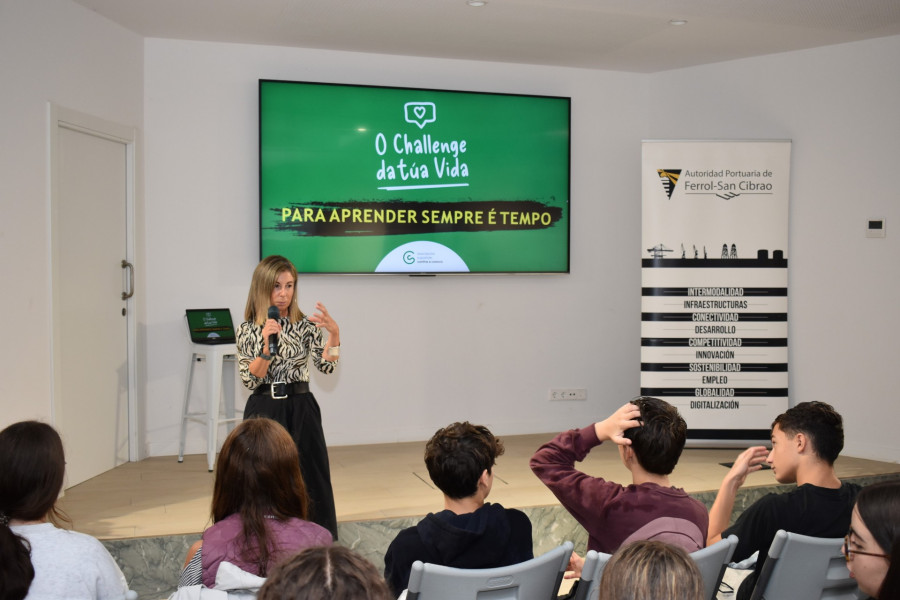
pixel 159 496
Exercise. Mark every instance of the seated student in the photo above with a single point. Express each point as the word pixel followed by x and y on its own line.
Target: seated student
pixel 647 570
pixel 650 435
pixel 468 533
pixel 259 506
pixel 872 547
pixel 38 560
pixel 806 440
pixel 325 573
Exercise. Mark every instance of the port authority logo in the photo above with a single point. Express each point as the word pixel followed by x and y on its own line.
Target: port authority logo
pixel 669 179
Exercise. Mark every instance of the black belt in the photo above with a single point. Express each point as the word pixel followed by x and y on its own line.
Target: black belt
pixel 280 389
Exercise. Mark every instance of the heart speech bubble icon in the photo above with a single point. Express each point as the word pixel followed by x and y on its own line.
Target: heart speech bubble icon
pixel 420 113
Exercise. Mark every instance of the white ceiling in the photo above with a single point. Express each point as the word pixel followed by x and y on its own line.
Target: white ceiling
pixel 619 35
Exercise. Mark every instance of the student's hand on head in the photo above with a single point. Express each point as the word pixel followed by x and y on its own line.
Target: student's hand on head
pixel 747 462
pixel 614 426
pixel 576 564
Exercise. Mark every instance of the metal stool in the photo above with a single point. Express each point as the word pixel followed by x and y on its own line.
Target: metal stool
pixel 219 381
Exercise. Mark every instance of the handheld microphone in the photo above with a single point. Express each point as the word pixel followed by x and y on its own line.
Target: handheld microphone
pixel 274 313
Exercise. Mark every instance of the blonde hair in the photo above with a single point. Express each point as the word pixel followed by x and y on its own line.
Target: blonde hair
pixel 648 570
pixel 261 285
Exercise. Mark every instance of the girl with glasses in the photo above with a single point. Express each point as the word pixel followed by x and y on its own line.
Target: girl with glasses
pixel 872 546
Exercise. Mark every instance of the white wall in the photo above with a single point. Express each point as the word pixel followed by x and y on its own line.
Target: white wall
pixel 52 51
pixel 839 105
pixel 420 352
pixel 417 353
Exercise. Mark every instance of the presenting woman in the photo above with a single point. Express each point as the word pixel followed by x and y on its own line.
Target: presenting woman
pixel 275 345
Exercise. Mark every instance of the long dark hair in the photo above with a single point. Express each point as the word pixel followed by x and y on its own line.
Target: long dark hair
pixel 879 508
pixel 258 477
pixel 31 477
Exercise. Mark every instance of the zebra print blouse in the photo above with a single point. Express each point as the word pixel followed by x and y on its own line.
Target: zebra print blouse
pixel 297 343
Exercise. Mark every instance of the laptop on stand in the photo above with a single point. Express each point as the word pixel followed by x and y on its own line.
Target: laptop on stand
pixel 210 325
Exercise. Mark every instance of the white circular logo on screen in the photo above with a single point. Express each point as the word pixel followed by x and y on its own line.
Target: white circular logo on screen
pixel 422 257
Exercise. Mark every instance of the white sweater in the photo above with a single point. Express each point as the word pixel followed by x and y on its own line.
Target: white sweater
pixel 70 565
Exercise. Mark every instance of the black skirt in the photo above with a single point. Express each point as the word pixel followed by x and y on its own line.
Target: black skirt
pixel 301 416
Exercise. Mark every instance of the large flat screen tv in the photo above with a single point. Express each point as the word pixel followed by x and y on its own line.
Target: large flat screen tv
pixel 365 179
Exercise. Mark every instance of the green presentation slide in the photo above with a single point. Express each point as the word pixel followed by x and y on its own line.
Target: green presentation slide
pixel 361 179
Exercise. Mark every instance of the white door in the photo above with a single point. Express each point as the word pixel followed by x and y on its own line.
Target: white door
pixel 91 373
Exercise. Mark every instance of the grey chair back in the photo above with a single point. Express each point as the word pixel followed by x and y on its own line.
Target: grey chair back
pixel 801 567
pixel 535 579
pixel 712 561
pixel 589 585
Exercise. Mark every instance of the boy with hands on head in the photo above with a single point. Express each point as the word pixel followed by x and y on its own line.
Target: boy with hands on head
pixel 650 435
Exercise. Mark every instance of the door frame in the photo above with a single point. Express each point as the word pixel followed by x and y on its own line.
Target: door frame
pixel 61 117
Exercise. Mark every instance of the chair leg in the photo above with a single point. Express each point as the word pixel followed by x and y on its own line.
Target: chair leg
pixel 184 408
pixel 214 367
pixel 228 376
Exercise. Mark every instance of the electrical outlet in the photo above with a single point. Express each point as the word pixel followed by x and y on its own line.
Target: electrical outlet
pixel 876 228
pixel 568 394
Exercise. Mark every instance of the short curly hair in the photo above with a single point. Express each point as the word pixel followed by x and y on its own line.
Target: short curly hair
pixel 458 454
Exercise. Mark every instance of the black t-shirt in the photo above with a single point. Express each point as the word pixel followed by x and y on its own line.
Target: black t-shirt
pixel 807 510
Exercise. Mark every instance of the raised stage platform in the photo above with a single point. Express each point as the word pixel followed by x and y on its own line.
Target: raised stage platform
pixel 148 513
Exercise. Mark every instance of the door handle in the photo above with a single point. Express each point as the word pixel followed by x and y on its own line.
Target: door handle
pixel 128 294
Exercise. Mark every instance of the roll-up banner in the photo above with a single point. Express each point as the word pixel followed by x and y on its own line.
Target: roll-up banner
pixel 714 301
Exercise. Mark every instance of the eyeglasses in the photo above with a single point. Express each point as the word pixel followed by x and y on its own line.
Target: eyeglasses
pixel 849 554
